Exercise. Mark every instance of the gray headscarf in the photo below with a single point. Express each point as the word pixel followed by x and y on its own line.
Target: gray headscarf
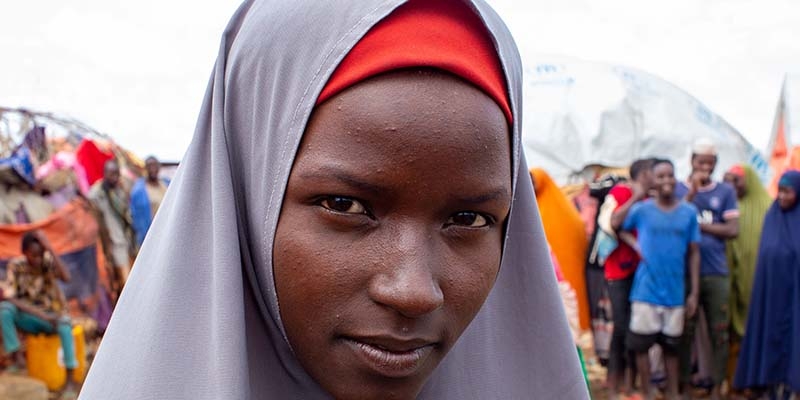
pixel 199 316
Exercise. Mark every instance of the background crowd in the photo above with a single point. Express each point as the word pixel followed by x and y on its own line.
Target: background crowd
pixel 688 283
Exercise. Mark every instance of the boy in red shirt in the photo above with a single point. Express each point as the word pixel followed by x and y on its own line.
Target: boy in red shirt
pixel 619 268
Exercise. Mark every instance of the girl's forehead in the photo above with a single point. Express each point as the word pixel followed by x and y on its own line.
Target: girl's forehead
pixel 408 99
pixel 403 121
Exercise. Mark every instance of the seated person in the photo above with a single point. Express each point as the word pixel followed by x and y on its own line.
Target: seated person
pixel 34 302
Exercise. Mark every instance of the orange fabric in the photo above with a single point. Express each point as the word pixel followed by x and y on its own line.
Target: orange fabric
pixel 794 160
pixel 441 34
pixel 69 229
pixel 566 235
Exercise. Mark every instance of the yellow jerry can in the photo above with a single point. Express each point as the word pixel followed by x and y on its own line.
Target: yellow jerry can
pixel 45 358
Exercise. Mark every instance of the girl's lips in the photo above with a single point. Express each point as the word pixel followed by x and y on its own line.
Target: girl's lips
pixel 391 362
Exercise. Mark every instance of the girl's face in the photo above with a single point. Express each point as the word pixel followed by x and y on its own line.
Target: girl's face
pixel 787 197
pixel 390 235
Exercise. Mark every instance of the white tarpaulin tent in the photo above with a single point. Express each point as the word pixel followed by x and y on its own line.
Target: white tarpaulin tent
pixel 579 114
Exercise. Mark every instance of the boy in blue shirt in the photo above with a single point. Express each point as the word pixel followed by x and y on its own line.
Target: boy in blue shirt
pixel 668 238
pixel 718 215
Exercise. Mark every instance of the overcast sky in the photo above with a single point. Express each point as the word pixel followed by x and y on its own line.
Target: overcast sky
pixel 138 70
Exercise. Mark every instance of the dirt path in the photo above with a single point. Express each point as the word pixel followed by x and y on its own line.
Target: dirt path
pixel 15 387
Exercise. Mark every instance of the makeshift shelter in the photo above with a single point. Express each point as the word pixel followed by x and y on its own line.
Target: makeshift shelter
pixel 784 144
pixel 47 163
pixel 583 114
pixel 73 233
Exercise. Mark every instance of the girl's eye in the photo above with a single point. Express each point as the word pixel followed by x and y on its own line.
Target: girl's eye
pixel 343 205
pixel 468 219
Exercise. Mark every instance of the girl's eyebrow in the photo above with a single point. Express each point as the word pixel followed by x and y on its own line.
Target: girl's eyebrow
pixel 328 172
pixel 333 172
pixel 493 194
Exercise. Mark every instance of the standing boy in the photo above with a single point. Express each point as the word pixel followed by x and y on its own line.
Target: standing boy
pixel 718 214
pixel 667 236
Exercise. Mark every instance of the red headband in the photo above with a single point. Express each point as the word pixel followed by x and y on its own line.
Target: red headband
pixel 442 34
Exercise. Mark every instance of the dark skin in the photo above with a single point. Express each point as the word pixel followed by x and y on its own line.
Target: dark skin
pixel 152 166
pixel 111 180
pixel 702 167
pixel 111 174
pixel 664 183
pixel 737 182
pixel 641 185
pixel 404 240
pixel 787 197
pixel 34 254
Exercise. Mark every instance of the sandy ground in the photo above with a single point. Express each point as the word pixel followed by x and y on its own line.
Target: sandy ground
pixel 18 386
pixel 596 372
pixel 21 388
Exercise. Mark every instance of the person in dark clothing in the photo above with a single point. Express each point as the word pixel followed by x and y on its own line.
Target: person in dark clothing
pixel 718 214
pixel 770 354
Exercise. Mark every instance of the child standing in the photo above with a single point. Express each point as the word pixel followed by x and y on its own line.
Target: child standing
pixel 667 231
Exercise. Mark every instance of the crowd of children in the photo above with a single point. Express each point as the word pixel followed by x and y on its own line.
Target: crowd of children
pixel 678 253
